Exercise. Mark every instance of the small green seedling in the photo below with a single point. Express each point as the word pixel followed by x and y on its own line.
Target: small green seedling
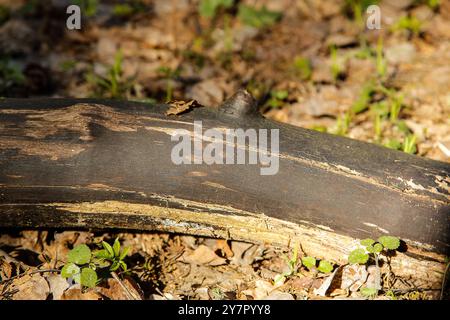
pixel 311 264
pixel 170 75
pixel 363 101
pixel 10 75
pixel 257 18
pixel 303 68
pixel 82 265
pixel 209 8
pixel 320 128
pixel 113 255
pixel 89 7
pixel 337 70
pixel 396 104
pixel 343 123
pixel 112 85
pixel 277 98
pixel 79 266
pixel 373 249
pixel 292 264
pixel 381 64
pixel 410 24
pixel 409 144
pixel 433 4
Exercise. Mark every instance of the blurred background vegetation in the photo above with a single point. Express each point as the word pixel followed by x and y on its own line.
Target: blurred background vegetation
pixel 310 63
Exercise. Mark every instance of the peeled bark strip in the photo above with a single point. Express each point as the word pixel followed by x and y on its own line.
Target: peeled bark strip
pixel 107 164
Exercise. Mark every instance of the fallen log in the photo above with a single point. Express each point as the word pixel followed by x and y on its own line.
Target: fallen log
pixel 70 163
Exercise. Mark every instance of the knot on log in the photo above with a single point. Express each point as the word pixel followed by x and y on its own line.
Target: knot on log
pixel 240 104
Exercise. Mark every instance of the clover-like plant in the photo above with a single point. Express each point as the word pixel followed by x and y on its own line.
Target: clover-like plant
pixel 311 263
pixel 79 266
pixel 373 249
pixel 82 264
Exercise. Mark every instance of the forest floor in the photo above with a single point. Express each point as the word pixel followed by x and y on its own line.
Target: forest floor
pixel 309 63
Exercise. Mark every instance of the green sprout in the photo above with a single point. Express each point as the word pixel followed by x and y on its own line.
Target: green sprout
pixel 336 67
pixel 292 264
pixel 258 18
pixel 277 98
pixel 169 75
pixel 209 8
pixel 409 144
pixel 362 103
pixel 343 123
pixel 89 7
pixel 113 85
pixel 82 264
pixel 409 24
pixel 373 249
pixel 10 75
pixel 303 67
pixel 381 64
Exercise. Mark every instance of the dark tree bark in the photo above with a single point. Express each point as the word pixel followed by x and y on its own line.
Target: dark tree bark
pixel 70 163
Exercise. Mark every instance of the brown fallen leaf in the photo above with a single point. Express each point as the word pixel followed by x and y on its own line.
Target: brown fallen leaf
pixel 30 287
pixel 114 291
pixel 180 106
pixel 223 245
pixel 5 269
pixel 203 255
pixel 75 293
pixel 57 285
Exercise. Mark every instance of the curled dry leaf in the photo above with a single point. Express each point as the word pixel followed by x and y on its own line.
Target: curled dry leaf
pixel 203 255
pixel 180 106
pixel 57 285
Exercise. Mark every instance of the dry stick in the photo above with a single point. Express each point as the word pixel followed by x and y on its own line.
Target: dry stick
pixel 129 294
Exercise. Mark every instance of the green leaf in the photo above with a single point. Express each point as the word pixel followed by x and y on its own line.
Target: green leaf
pixel 362 103
pixel 114 266
pixel 377 247
pixel 257 18
pixel 77 277
pixel 368 292
pixel 309 262
pixel 116 247
pixel 367 242
pixel 81 254
pixel 123 10
pixel 279 279
pixel 88 277
pixel 303 67
pixel 393 144
pixel 69 270
pixel 208 8
pixel 279 94
pixel 358 256
pixel 389 242
pixel 103 254
pixel 325 266
pixel 123 265
pixel 108 248
pixel 124 253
